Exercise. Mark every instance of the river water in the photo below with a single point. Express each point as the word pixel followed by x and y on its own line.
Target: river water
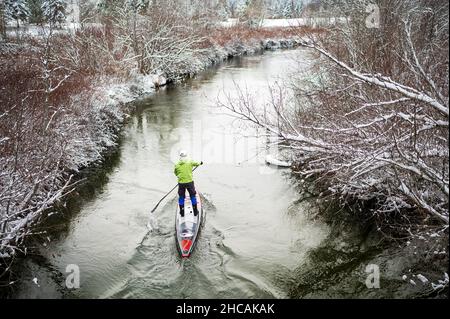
pixel 254 237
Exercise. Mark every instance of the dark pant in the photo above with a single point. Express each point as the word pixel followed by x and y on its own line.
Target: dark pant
pixel 182 187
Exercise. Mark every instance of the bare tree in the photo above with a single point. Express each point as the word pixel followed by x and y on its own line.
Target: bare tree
pixel 159 39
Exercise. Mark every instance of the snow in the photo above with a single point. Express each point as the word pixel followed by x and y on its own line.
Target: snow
pixel 422 278
pixel 441 283
pixel 276 162
pixel 412 282
pixel 37 31
pixel 35 280
pixel 287 23
pixel 229 23
pixel 122 93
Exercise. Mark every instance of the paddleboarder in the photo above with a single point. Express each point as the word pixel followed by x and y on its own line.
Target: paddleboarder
pixel 183 171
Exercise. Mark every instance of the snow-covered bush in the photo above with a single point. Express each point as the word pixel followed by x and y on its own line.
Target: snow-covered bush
pixel 51 125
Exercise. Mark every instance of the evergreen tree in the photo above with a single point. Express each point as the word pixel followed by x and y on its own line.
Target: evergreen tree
pixel 35 7
pixel 17 10
pixel 54 11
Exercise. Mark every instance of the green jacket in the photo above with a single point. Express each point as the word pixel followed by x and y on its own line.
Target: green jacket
pixel 183 170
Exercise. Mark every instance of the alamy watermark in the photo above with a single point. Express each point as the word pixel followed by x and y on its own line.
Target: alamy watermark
pixel 223 146
pixel 73 276
pixel 373 277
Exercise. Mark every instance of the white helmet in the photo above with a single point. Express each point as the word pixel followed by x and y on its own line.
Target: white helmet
pixel 183 154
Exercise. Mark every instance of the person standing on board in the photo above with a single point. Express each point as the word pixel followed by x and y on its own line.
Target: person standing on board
pixel 183 171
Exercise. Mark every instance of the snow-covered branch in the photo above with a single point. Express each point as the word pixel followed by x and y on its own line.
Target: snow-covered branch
pixel 364 128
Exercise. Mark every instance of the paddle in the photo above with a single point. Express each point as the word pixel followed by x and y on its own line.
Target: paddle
pixel 167 194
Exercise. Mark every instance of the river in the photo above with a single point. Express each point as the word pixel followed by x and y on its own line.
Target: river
pixel 254 237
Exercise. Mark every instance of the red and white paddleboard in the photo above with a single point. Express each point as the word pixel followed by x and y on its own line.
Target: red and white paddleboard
pixel 188 227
